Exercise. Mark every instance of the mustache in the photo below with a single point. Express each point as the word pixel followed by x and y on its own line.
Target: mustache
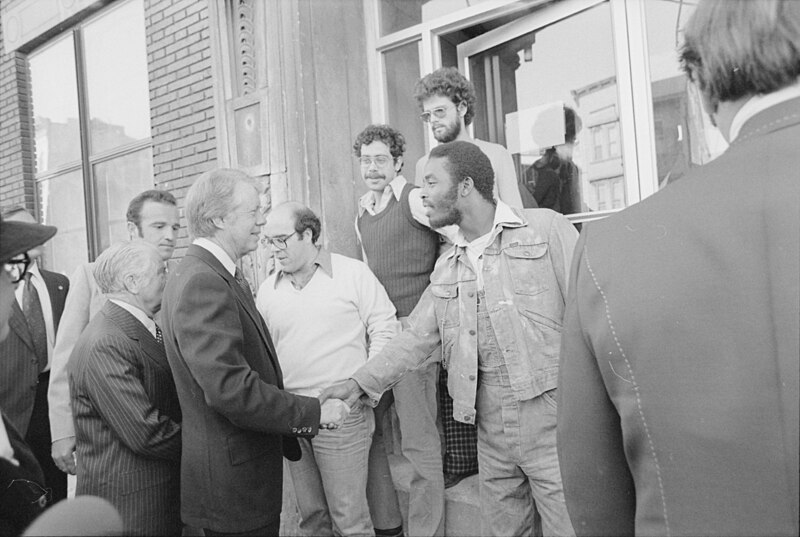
pixel 375 176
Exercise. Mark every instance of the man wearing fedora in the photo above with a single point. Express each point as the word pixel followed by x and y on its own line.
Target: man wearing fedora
pixel 17 462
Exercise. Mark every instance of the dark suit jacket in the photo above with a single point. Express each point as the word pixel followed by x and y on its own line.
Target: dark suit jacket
pixel 234 408
pixel 678 409
pixel 19 485
pixel 19 369
pixel 127 417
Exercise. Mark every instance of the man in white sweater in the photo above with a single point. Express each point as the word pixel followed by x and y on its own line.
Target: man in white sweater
pixel 328 314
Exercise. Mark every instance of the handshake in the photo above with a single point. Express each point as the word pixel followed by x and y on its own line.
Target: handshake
pixel 336 402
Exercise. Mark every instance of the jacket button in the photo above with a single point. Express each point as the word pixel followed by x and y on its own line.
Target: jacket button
pixel 472 377
pixel 470 294
pixel 472 332
pixel 294 429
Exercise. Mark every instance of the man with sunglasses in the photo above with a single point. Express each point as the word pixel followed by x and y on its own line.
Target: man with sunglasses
pixel 447 100
pixel 27 353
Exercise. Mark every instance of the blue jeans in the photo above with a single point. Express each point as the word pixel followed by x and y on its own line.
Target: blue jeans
pixel 330 480
pixel 517 460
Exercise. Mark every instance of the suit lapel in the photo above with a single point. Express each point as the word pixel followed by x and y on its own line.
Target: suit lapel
pixel 245 302
pixel 19 325
pixel 135 330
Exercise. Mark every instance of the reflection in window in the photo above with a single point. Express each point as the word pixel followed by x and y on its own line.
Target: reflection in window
pixel 683 134
pixel 55 111
pixel 59 197
pixel 116 118
pixel 550 96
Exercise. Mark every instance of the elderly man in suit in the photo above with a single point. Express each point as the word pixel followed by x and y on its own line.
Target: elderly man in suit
pixel 27 357
pixel 126 412
pixel 680 365
pixel 151 215
pixel 238 420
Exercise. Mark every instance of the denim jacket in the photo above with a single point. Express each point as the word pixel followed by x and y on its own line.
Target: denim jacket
pixel 525 270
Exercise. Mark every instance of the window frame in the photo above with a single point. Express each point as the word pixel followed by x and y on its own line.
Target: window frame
pixel 87 161
pixel 636 138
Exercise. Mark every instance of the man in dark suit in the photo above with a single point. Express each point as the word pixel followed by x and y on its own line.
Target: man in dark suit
pixel 238 420
pixel 20 474
pixel 678 411
pixel 126 412
pixel 27 355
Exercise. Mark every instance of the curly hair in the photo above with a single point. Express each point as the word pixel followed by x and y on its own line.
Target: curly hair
pixel 465 159
pixel 450 83
pixel 393 139
pixel 734 49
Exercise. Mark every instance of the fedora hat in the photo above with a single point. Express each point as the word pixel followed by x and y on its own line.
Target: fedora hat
pixel 19 237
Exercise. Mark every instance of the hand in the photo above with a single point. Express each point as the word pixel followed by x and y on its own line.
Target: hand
pixel 332 414
pixel 348 391
pixel 63 453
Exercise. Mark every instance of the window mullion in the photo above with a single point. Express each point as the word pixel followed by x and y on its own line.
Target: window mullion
pixel 90 199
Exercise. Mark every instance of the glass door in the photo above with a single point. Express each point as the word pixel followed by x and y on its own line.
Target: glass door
pixel 553 88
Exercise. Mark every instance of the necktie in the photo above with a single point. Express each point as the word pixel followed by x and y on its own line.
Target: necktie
pixel 243 283
pixel 32 309
pixel 159 336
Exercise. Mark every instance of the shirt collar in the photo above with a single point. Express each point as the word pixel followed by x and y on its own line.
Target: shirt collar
pixel 395 187
pixel 504 216
pixel 148 323
pixel 33 268
pixel 217 251
pixel 758 103
pixel 323 261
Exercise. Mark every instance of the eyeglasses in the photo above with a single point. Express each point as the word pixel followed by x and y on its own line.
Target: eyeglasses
pixel 17 267
pixel 279 242
pixel 380 161
pixel 439 112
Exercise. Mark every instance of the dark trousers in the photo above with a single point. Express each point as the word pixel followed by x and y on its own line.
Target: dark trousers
pixel 39 440
pixel 270 529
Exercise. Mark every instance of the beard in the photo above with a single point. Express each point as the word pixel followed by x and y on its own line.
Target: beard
pixel 448 212
pixel 451 132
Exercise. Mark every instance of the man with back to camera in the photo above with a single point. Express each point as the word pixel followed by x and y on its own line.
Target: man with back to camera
pixel 401 249
pixel 238 421
pixel 495 304
pixel 328 314
pixel 679 366
pixel 153 216
pixel 126 411
pixel 27 355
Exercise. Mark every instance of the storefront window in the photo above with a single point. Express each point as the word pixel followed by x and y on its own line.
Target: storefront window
pixel 91 159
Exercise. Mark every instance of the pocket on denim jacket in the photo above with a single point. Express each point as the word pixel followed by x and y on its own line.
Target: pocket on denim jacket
pixel 529 272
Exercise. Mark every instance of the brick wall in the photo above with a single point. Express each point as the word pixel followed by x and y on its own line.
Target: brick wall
pixel 181 93
pixel 16 139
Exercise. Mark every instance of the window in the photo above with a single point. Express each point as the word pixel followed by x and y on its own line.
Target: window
pixel 684 136
pixel 91 114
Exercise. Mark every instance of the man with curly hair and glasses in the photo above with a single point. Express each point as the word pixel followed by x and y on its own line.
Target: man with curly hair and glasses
pixel 400 247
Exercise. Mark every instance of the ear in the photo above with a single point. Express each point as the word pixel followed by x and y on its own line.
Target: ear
pixel 398 164
pixel 219 222
pixel 133 231
pixel 131 284
pixel 467 185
